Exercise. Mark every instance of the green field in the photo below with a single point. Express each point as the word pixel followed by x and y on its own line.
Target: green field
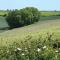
pixel 50 13
pixel 3 12
pixel 4 24
pixel 50 24
pixel 32 42
pixel 46 24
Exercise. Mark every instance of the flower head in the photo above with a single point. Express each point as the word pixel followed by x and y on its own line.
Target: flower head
pixel 23 54
pixel 38 49
pixel 44 47
pixel 56 51
pixel 19 49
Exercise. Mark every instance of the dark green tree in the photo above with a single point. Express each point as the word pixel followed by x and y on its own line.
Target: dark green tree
pixel 13 19
pixel 22 17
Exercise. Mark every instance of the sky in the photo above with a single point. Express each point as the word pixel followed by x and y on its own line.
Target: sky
pixel 40 4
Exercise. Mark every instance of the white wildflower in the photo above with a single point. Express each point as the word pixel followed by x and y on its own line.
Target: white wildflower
pixel 38 49
pixel 19 49
pixel 44 47
pixel 23 54
pixel 56 51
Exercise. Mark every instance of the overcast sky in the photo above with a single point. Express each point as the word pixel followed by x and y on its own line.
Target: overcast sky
pixel 40 4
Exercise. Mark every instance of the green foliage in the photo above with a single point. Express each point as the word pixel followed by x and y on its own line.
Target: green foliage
pixel 31 49
pixel 13 19
pixel 25 16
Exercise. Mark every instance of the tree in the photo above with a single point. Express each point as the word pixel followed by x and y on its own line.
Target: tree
pixel 13 19
pixel 22 17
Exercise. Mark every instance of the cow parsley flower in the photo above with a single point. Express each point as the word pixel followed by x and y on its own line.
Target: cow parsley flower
pixel 56 51
pixel 38 49
pixel 23 54
pixel 19 49
pixel 44 47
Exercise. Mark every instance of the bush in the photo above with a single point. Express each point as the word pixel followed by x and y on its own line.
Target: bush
pixel 13 19
pixel 25 16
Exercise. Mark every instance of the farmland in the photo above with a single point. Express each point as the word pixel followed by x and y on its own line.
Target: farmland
pixel 50 13
pixel 32 42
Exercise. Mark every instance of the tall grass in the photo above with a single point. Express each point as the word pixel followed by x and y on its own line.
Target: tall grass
pixel 32 49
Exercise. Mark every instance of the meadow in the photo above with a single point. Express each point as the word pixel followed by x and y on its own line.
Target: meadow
pixel 38 41
pixel 50 13
pixel 3 12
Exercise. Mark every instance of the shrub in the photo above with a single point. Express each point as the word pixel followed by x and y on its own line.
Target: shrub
pixel 13 19
pixel 25 16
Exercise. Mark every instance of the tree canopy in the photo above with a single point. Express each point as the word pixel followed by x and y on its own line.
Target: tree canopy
pixel 22 17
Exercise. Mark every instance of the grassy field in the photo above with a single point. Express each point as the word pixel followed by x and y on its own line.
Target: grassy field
pixel 46 24
pixel 34 42
pixel 38 41
pixel 4 24
pixel 42 27
pixel 50 13
pixel 3 12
